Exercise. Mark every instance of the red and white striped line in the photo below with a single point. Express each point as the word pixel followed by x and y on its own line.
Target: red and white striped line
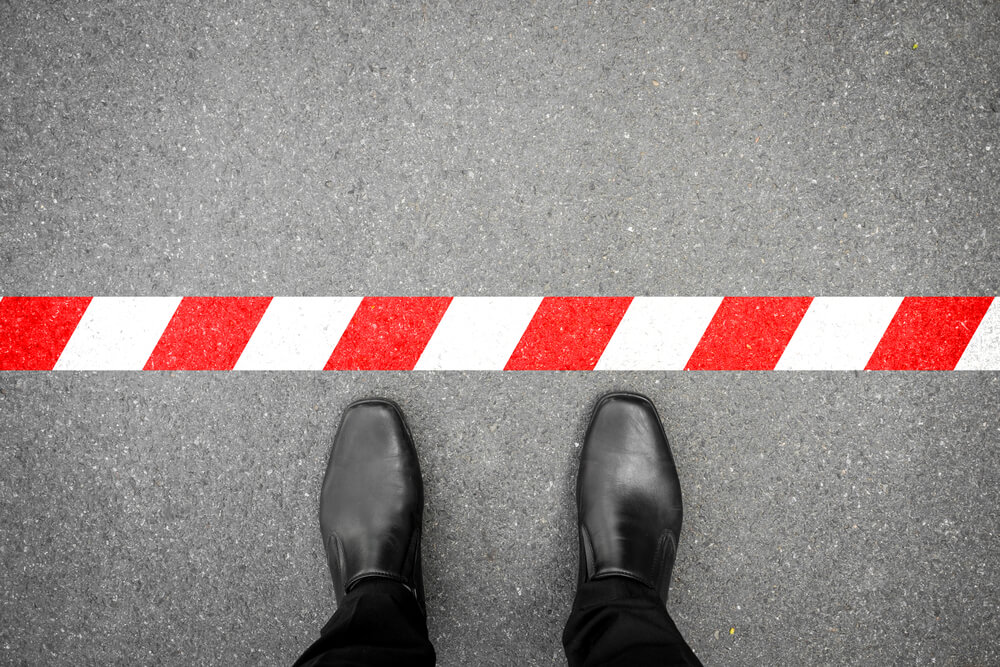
pixel 499 333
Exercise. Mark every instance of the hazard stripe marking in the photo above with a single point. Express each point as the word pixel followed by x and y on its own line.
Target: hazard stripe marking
pixel 388 333
pixel 658 333
pixel 983 351
pixel 207 333
pixel 929 333
pixel 838 333
pixel 298 333
pixel 748 333
pixel 117 333
pixel 478 333
pixel 568 333
pixel 35 329
pixel 499 333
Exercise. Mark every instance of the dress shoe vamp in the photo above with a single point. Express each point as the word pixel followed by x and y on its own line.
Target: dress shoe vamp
pixel 628 490
pixel 372 494
pixel 375 532
pixel 626 521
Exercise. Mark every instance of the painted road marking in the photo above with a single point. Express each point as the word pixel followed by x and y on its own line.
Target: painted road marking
pixel 388 333
pixel 929 333
pixel 499 333
pixel 207 333
pixel 34 330
pixel 838 333
pixel 748 333
pixel 983 352
pixel 568 333
pixel 478 333
pixel 118 333
pixel 298 333
pixel 659 333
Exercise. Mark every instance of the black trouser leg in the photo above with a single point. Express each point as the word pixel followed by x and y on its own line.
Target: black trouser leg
pixel 377 624
pixel 617 621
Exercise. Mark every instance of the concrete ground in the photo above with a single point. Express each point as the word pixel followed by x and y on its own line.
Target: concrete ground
pixel 591 148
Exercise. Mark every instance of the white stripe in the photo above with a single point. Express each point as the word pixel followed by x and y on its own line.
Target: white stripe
pixel 478 333
pixel 838 333
pixel 659 333
pixel 297 333
pixel 983 351
pixel 117 333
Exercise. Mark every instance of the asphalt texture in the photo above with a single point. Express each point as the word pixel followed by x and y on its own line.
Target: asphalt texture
pixel 590 148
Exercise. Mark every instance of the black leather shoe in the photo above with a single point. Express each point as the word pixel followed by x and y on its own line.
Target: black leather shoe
pixel 628 495
pixel 371 506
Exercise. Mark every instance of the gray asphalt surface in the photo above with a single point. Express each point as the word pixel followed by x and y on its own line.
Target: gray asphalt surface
pixel 581 148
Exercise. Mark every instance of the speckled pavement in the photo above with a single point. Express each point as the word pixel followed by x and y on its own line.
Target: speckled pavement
pixel 588 148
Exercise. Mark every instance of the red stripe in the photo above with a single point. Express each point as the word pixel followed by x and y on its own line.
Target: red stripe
pixel 748 333
pixel 388 333
pixel 568 333
pixel 207 333
pixel 929 333
pixel 34 330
